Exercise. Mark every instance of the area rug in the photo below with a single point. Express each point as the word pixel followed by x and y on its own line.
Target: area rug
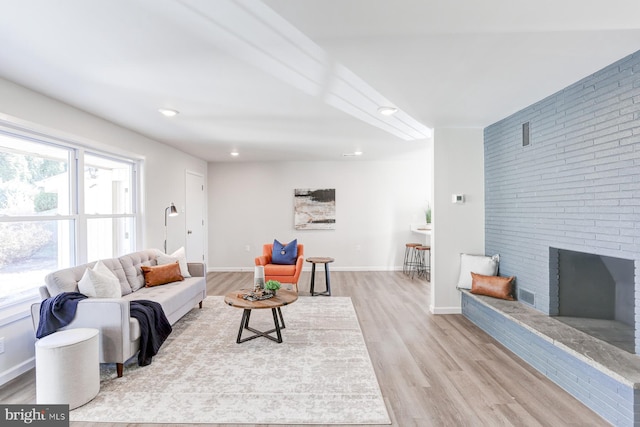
pixel 320 374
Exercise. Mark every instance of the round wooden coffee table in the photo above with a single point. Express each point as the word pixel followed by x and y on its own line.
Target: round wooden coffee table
pixel 282 298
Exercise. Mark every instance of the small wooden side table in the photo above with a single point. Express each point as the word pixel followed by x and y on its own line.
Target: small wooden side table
pixel 325 261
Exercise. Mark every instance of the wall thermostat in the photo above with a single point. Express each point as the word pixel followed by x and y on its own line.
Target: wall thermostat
pixel 457 198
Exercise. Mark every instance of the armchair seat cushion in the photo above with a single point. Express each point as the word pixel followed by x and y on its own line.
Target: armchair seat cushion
pixel 279 270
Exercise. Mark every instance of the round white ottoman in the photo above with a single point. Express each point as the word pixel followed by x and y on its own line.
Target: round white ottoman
pixel 68 367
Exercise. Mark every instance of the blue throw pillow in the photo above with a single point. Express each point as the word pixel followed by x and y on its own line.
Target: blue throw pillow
pixel 285 254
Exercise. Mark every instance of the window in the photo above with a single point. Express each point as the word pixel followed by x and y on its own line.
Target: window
pixel 52 217
pixel 108 206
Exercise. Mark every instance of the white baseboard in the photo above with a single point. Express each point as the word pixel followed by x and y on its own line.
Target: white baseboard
pixel 17 370
pixel 229 269
pixel 445 310
pixel 308 268
pixel 369 268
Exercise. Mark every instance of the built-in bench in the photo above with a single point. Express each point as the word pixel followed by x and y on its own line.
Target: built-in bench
pixel 600 375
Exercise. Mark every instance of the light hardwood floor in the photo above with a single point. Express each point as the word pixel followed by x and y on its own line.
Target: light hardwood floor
pixel 433 370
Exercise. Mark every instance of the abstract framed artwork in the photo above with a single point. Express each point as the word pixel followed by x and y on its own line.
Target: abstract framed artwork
pixel 315 209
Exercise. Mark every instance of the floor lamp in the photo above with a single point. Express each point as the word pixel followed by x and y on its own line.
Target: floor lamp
pixel 169 211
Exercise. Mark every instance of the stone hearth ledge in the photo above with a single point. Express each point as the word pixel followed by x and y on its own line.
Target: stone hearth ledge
pixel 609 359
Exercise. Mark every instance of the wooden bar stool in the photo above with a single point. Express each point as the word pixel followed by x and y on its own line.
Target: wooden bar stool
pixel 407 266
pixel 422 262
pixel 427 263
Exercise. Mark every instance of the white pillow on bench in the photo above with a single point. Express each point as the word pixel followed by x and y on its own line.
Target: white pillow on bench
pixel 479 264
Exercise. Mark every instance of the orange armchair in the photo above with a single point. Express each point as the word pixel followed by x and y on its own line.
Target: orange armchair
pixel 281 273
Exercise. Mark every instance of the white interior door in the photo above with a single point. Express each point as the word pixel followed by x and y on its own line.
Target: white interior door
pixel 194 217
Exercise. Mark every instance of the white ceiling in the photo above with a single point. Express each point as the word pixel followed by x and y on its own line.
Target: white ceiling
pixel 301 79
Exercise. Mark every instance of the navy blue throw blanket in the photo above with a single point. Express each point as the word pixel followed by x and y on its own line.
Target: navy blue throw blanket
pixel 57 312
pixel 154 328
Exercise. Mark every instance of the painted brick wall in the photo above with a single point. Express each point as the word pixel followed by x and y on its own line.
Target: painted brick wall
pixel 576 186
pixel 612 400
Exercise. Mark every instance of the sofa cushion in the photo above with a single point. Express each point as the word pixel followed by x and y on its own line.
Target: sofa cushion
pixel 132 263
pixel 134 329
pixel 171 296
pixel 161 274
pixel 66 280
pixel 115 266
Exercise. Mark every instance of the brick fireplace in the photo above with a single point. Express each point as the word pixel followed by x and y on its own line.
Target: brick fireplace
pixel 571 186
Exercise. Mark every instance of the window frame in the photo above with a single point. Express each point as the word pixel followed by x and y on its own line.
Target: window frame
pixel 77 149
pixel 83 217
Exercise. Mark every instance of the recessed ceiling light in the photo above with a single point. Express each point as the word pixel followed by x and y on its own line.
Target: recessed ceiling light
pixel 354 154
pixel 387 111
pixel 167 112
pixel 235 153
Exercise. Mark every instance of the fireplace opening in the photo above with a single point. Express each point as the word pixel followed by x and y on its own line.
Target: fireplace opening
pixel 595 294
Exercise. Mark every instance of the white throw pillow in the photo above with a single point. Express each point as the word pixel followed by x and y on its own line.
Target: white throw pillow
pixel 100 282
pixel 479 264
pixel 180 256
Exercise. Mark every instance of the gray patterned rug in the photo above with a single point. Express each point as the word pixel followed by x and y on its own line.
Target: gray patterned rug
pixel 320 374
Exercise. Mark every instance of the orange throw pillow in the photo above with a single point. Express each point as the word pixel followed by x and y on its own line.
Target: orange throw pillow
pixel 161 274
pixel 492 286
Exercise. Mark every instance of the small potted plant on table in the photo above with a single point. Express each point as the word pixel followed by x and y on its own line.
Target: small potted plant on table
pixel 272 286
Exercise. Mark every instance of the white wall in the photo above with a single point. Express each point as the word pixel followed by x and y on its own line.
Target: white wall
pixel 163 183
pixel 19 339
pixel 457 228
pixel 164 166
pixel 252 203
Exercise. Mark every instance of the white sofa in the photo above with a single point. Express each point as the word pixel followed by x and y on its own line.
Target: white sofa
pixel 119 332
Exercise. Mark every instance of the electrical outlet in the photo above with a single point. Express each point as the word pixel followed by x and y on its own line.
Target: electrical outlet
pixel 247 248
pixel 1 345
